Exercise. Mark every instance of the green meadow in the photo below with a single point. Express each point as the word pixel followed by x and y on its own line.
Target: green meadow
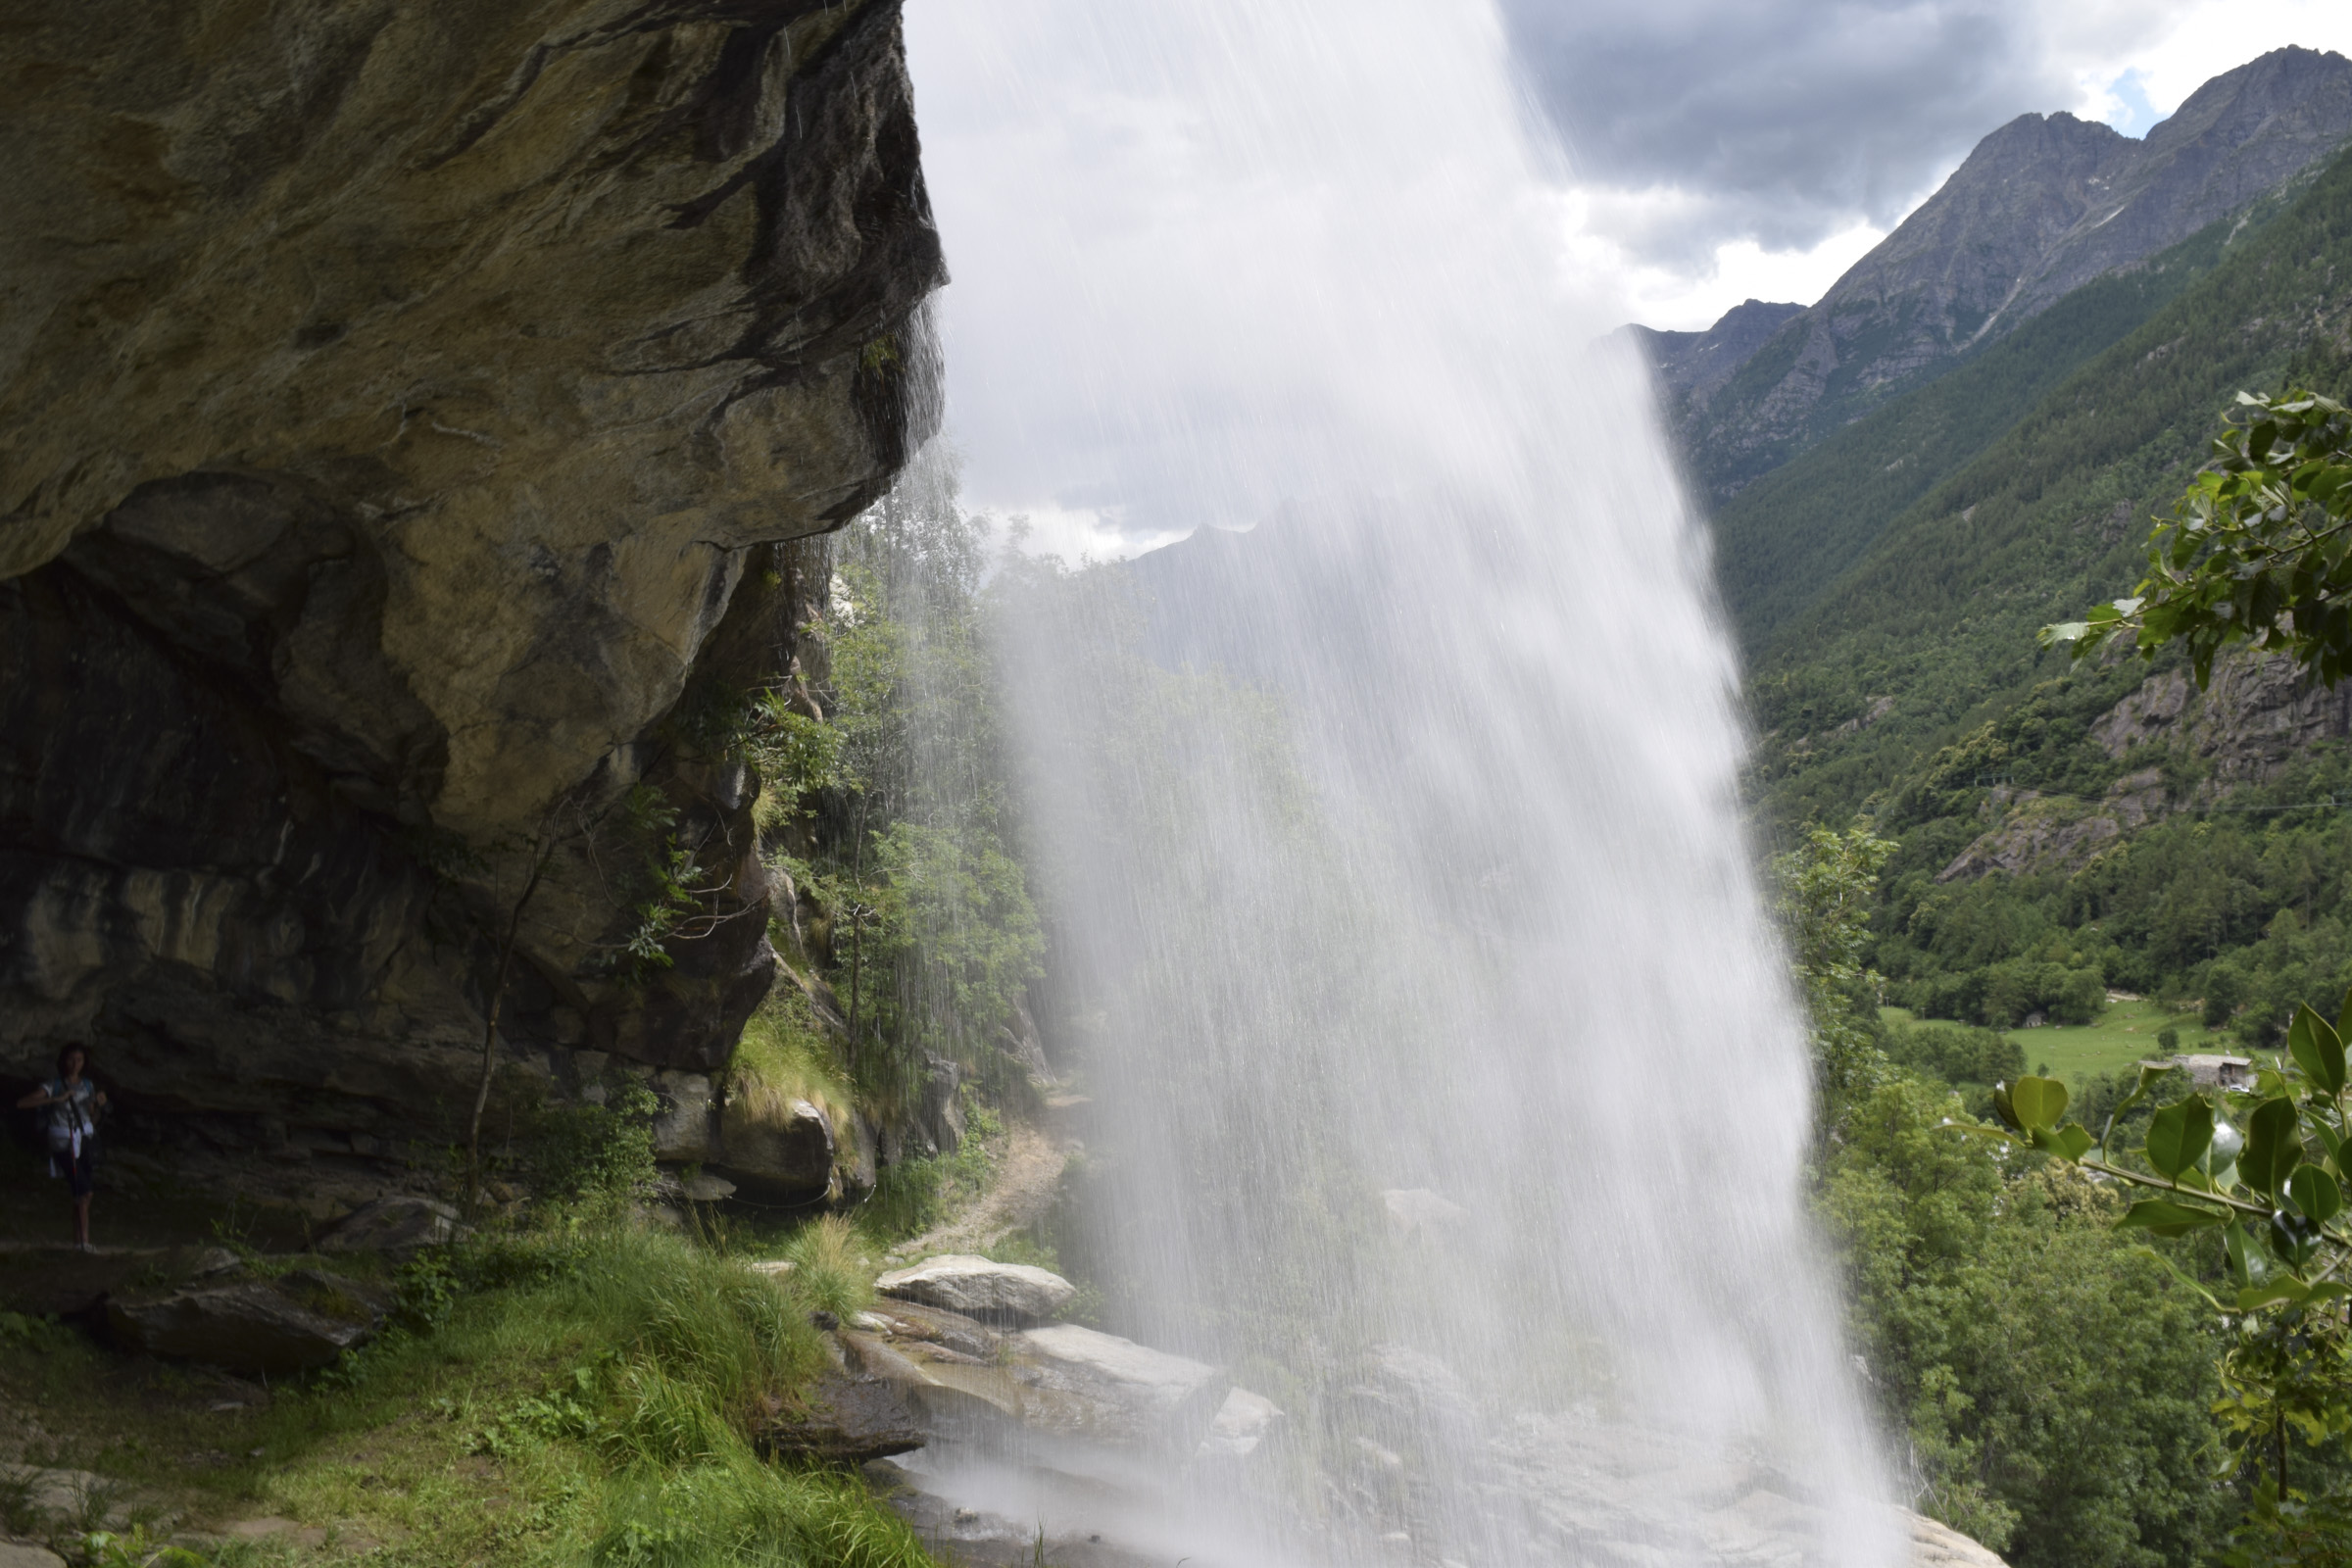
pixel 2124 1034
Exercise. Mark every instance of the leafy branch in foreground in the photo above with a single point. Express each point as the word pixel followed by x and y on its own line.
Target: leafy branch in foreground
pixel 2275 1192
pixel 2259 549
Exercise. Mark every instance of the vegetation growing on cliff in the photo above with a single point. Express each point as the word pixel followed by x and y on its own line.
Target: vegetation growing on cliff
pixel 2051 1380
pixel 892 815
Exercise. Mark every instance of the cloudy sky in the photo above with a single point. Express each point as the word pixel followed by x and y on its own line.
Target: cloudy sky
pixel 1728 149
pixel 1211 256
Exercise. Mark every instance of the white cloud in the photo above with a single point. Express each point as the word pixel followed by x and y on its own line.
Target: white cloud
pixel 1073 533
pixel 2130 63
pixel 1672 299
pixel 2212 36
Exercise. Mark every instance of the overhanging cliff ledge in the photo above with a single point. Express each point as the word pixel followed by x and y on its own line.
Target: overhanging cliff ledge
pixel 404 410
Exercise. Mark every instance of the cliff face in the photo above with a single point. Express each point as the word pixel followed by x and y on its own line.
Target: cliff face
pixel 401 408
pixel 2040 207
pixel 1692 365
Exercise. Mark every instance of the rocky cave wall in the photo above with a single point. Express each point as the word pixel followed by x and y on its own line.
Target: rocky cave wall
pixel 403 408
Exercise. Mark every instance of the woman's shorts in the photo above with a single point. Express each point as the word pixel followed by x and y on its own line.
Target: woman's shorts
pixel 80 1170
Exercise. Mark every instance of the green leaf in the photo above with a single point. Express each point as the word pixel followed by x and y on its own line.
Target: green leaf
pixel 2330 1143
pixel 2258 1297
pixel 2316 1194
pixel 2037 1103
pixel 2274 1146
pixel 2182 1276
pixel 2179 1135
pixel 2070 1142
pixel 2316 1049
pixel 2241 1262
pixel 2294 1241
pixel 2168 1218
pixel 2063 631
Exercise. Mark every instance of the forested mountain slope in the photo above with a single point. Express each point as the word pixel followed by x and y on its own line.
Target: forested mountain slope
pixel 2043 206
pixel 1782 541
pixel 1913 688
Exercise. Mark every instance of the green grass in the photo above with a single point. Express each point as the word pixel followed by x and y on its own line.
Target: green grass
pixel 2123 1035
pixel 562 1398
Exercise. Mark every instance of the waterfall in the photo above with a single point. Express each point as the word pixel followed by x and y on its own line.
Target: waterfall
pixel 1446 1082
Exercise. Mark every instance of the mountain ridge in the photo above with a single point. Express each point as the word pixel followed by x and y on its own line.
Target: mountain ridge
pixel 2043 206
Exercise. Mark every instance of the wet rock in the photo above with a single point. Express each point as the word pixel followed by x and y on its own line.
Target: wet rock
pixel 1935 1546
pixel 301 1322
pixel 397 1224
pixel 842 1419
pixel 978 1288
pixel 24 1554
pixel 1242 1422
pixel 1120 1391
pixel 908 1320
pixel 777 1149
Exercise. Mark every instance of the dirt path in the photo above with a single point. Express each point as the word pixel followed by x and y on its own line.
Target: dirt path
pixel 1028 1178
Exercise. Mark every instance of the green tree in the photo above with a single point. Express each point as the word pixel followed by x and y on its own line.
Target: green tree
pixel 2053 1378
pixel 2259 549
pixel 1826 890
pixel 2273 1195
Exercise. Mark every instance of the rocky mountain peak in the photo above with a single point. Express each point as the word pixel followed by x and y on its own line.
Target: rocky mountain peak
pixel 2041 206
pixel 1695 363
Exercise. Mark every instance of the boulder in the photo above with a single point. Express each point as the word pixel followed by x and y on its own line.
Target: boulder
pixel 684 1127
pixel 979 1288
pixel 60 1281
pixel 842 1419
pixel 1116 1390
pixel 1241 1424
pixel 301 1322
pixel 24 1554
pixel 905 1320
pixel 777 1149
pixel 400 1223
pixel 1937 1545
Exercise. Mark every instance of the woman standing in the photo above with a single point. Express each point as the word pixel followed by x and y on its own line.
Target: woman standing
pixel 73 1104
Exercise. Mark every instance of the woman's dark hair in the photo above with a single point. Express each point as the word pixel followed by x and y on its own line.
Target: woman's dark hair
pixel 63 1051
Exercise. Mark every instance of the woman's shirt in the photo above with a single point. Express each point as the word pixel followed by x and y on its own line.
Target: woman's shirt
pixel 71 1107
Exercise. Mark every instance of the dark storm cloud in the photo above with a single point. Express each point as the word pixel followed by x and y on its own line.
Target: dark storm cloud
pixel 1782 121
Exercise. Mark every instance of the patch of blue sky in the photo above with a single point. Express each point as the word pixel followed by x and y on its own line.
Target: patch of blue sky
pixel 2131 112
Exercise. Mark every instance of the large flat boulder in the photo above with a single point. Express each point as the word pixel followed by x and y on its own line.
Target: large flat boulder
pixel 57 1281
pixel 1118 1391
pixel 397 1224
pixel 980 1288
pixel 296 1324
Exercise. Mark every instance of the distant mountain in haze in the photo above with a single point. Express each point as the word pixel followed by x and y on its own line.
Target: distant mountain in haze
pixel 2041 207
